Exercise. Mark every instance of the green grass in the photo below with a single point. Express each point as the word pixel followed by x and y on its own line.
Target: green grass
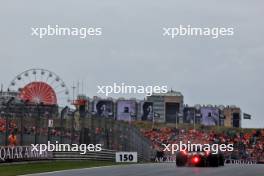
pixel 29 168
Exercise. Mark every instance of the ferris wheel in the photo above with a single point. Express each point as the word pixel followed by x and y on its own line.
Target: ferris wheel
pixel 40 86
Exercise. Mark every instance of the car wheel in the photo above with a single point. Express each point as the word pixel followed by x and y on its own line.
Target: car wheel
pixel 213 160
pixel 181 160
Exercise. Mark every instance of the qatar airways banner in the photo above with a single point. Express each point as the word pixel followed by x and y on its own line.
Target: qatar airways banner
pixel 104 108
pixel 147 111
pixel 126 110
pixel 210 116
pixel 21 153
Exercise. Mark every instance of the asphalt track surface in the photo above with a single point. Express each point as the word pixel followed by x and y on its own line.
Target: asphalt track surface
pixel 164 169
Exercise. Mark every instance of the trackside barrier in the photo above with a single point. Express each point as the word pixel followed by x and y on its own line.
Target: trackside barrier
pixel 104 155
pixel 171 159
pixel 166 159
pixel 234 161
pixel 25 153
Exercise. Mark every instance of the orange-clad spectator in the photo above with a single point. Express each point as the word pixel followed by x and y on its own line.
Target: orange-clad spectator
pixel 12 139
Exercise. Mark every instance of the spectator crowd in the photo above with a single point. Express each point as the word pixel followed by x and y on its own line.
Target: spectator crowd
pixel 247 145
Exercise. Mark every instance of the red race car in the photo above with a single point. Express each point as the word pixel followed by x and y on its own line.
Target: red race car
pixel 199 159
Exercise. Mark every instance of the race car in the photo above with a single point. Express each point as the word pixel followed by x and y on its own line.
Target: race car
pixel 199 159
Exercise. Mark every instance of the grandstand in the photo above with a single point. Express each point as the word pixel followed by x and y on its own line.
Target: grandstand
pixel 248 145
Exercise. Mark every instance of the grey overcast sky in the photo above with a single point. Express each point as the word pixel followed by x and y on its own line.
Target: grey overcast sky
pixel 228 70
